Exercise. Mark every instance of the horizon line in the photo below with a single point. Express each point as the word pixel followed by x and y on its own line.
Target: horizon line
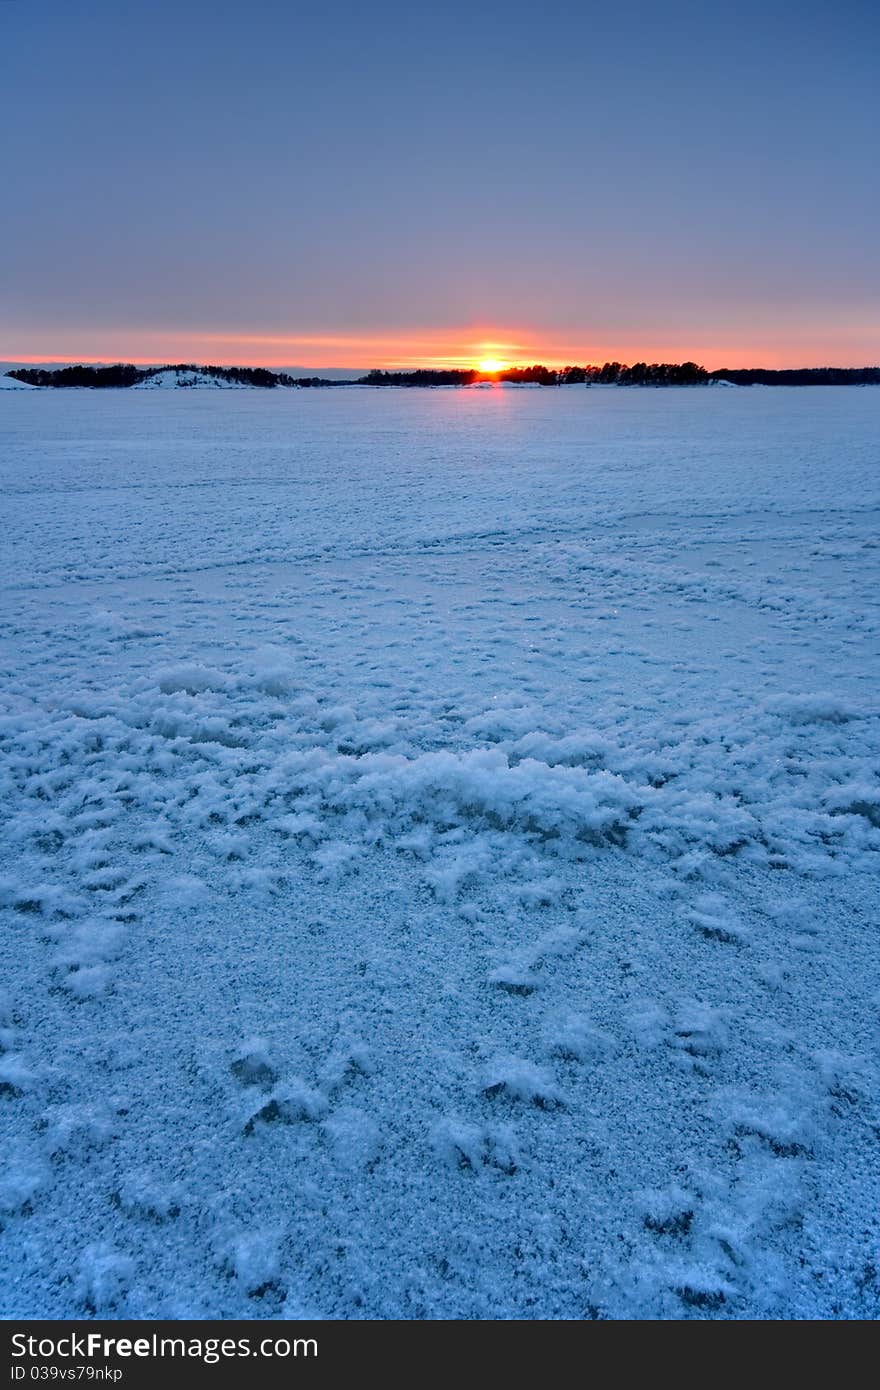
pixel 14 364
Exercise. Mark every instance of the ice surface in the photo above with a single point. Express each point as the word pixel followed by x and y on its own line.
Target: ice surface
pixel 439 870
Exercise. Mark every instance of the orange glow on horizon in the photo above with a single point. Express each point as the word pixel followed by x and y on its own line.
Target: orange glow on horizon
pixel 490 350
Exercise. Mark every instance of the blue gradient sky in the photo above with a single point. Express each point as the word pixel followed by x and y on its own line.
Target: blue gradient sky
pixel 360 184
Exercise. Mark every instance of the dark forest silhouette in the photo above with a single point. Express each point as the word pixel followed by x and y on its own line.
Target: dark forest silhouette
pixel 639 374
pixel 611 374
pixel 124 374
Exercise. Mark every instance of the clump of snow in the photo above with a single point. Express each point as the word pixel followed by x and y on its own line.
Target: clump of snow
pixel 700 1029
pixel 254 1259
pixel 142 1194
pixel 334 859
pixel 293 1100
pixel 821 708
pixel 22 1174
pixel 667 1211
pixel 355 1138
pixel 103 1279
pixel 712 917
pixel 520 1079
pixel 253 1065
pixel 515 977
pixel 576 1037
pixel 85 981
pixel 16 1075
pixel 193 680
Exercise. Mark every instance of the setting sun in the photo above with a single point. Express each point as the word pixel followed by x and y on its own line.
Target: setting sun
pixel 491 364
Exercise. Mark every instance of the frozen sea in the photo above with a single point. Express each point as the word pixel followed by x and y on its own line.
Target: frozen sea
pixel 439 862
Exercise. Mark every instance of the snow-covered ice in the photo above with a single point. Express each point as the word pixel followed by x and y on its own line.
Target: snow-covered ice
pixel 439 870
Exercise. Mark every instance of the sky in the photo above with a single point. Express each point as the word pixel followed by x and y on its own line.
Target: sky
pixel 353 185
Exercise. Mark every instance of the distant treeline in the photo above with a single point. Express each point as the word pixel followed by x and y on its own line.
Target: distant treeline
pixel 79 376
pixel 800 376
pixel 467 376
pixel 611 374
pixel 639 374
pixel 123 374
